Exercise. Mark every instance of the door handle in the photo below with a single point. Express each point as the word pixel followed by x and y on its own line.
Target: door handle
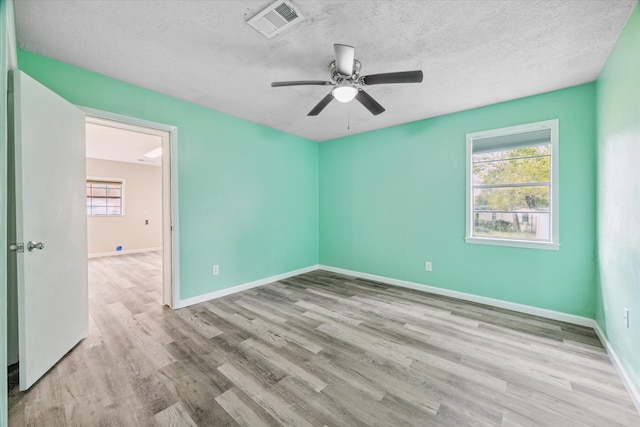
pixel 33 245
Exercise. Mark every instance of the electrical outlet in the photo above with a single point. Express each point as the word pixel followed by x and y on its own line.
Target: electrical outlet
pixel 216 270
pixel 626 317
pixel 427 266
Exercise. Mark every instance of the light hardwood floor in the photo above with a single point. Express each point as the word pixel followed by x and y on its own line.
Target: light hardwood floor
pixel 319 349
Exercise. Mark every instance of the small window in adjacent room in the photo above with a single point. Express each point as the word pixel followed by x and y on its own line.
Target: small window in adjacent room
pixel 512 186
pixel 105 197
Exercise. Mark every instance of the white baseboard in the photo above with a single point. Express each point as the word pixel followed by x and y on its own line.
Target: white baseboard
pixel 615 361
pixel 126 252
pixel 548 314
pixel 239 288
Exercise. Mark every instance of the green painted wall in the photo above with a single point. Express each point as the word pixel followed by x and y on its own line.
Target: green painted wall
pixel 248 194
pixel 618 107
pixel 253 199
pixel 394 198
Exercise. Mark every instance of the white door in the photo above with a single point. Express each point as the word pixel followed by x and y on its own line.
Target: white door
pixel 50 209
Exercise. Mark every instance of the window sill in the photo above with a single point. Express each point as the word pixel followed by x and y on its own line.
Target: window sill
pixel 550 246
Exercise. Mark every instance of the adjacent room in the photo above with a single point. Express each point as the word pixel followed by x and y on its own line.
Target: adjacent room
pixel 320 213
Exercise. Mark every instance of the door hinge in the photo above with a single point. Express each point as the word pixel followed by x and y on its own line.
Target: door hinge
pixel 16 247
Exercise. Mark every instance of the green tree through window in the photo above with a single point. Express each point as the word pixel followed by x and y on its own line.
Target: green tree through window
pixel 511 185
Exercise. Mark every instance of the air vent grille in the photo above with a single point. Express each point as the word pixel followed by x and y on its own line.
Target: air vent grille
pixel 286 12
pixel 276 18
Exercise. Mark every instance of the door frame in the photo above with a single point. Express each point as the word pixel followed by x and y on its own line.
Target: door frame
pixel 170 254
pixel 8 61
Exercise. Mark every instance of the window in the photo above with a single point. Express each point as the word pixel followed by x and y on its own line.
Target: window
pixel 105 197
pixel 512 186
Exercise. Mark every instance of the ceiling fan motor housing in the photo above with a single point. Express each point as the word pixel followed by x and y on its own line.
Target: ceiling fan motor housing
pixel 337 77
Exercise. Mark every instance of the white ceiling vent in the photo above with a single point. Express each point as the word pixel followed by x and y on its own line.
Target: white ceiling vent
pixel 276 18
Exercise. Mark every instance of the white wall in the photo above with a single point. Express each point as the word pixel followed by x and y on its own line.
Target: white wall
pixel 142 201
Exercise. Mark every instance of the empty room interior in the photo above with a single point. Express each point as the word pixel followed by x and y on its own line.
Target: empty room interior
pixel 320 213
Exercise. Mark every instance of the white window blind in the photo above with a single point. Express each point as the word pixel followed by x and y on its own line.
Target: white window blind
pixel 105 197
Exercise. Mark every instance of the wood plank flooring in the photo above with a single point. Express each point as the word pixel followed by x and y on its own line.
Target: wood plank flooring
pixel 319 349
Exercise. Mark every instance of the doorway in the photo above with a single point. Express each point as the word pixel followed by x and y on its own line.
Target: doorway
pixel 129 163
pixel 47 314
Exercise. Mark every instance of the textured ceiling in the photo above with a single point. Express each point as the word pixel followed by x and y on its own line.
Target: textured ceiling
pixel 472 53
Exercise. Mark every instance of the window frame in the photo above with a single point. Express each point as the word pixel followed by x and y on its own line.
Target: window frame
pixel 121 182
pixel 554 220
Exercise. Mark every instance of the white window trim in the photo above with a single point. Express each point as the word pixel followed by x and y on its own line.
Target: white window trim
pixel 554 205
pixel 122 181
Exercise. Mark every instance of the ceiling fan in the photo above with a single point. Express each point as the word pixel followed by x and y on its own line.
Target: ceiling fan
pixel 348 84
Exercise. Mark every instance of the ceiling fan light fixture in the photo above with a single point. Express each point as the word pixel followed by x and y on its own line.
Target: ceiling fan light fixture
pixel 344 93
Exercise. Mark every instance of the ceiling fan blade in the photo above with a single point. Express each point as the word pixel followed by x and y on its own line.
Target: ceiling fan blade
pixel 325 101
pixel 369 103
pixel 399 77
pixel 302 83
pixel 345 56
